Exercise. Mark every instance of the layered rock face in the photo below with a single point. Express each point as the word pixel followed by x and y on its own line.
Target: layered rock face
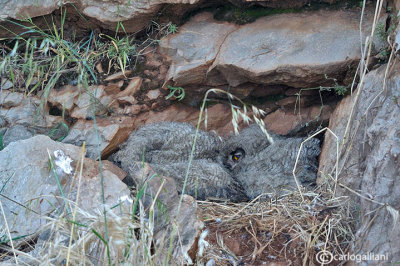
pixel 134 14
pixel 369 160
pixel 298 50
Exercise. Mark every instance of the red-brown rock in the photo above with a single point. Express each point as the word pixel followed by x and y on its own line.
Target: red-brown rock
pixel 284 122
pixel 112 132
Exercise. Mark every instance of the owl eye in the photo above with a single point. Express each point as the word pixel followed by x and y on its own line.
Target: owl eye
pixel 237 155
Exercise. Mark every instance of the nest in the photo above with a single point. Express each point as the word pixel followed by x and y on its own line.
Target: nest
pixel 290 229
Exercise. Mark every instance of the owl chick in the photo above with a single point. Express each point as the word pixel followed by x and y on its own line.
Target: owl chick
pixel 167 147
pixel 264 167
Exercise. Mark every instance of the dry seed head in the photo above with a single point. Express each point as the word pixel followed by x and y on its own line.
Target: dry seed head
pixel 205 118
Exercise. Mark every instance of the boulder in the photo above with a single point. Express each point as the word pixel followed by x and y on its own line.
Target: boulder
pixel 219 117
pixel 285 122
pixel 110 133
pixel 64 98
pixel 21 118
pixel 10 99
pixel 15 133
pixel 32 202
pixel 31 191
pixel 84 106
pixel 294 49
pixel 134 15
pixel 186 216
pixel 369 161
pixel 297 49
pixel 194 48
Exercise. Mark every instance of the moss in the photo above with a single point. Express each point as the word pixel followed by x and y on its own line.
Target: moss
pixel 271 98
pixel 247 15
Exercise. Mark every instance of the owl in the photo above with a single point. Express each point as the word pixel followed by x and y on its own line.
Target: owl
pixel 262 167
pixel 167 146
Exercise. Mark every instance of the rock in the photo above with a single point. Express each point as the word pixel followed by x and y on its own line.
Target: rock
pixel 369 161
pixel 132 109
pixel 118 75
pixel 99 68
pixel 279 54
pixel 112 132
pixel 291 100
pixel 84 107
pixel 127 100
pixel 278 3
pixel 15 133
pixel 114 88
pixel 20 118
pixel 218 117
pixel 64 98
pixel 153 94
pixel 23 113
pixel 287 122
pixel 25 177
pixel 27 113
pixel 113 169
pixel 10 99
pixel 194 48
pixel 133 87
pixel 134 15
pixel 188 219
pixel 5 84
pixel 328 44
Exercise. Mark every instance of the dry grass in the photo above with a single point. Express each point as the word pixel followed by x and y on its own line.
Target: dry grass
pixel 285 229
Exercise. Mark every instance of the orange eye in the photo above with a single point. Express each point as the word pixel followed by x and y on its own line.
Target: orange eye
pixel 235 158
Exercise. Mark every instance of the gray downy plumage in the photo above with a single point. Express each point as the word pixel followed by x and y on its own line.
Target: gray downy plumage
pixel 167 147
pixel 264 167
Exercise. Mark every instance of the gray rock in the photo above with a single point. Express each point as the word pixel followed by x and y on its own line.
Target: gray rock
pixel 188 219
pixel 25 111
pixel 194 48
pixel 30 189
pixel 5 84
pixel 15 133
pixel 10 99
pixel 25 178
pixel 110 133
pixel 296 49
pixel 369 163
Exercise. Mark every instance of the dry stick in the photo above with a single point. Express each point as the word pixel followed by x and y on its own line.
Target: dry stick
pixel 393 211
pixel 384 82
pixel 76 202
pixel 8 232
pixel 361 64
pixel 246 206
pixel 378 9
pixel 311 242
pixel 298 156
pixel 363 68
